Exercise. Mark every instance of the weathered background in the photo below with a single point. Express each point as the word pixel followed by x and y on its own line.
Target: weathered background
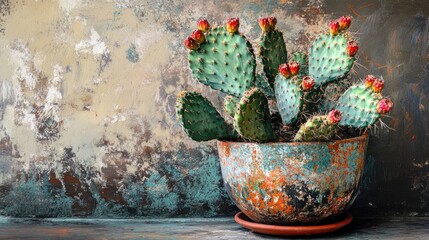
pixel 88 88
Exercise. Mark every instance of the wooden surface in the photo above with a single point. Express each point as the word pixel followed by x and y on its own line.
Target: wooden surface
pixel 195 228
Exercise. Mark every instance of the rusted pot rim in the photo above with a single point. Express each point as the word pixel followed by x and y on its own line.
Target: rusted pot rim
pixel 363 137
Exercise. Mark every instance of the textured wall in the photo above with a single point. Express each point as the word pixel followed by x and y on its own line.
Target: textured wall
pixel 88 88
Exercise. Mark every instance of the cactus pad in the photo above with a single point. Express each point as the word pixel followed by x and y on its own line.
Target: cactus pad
pixel 312 100
pixel 316 128
pixel 262 83
pixel 230 105
pixel 302 59
pixel 252 118
pixel 289 98
pixel 328 59
pixel 224 62
pixel 200 119
pixel 272 51
pixel 359 107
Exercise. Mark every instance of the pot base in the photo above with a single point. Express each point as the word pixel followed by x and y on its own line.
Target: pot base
pixel 277 230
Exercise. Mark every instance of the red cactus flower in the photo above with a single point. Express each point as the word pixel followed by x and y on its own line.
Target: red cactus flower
pixel 378 85
pixel 334 116
pixel 369 80
pixel 294 68
pixel 191 44
pixel 344 22
pixel 232 25
pixel 267 23
pixel 334 27
pixel 203 25
pixel 352 48
pixel 198 36
pixel 307 83
pixel 272 21
pixel 384 106
pixel 284 70
pixel 264 24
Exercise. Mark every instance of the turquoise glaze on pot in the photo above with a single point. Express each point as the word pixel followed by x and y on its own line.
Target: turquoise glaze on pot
pixel 293 183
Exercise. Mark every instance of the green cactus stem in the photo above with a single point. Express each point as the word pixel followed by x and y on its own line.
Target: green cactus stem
pixel 311 102
pixel 252 118
pixel 319 128
pixel 272 53
pixel 225 62
pixel 230 105
pixel 302 59
pixel 289 98
pixel 328 58
pixel 200 119
pixel 359 107
pixel 262 83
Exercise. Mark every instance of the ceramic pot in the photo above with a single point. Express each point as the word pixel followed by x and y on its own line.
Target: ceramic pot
pixel 295 182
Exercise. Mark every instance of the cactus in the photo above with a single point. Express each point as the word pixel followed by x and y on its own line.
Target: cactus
pixel 328 58
pixel 272 49
pixel 300 91
pixel 289 98
pixel 262 83
pixel 319 128
pixel 225 62
pixel 302 59
pixel 361 106
pixel 200 119
pixel 230 105
pixel 252 117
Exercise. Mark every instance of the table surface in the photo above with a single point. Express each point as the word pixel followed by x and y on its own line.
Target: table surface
pixel 195 228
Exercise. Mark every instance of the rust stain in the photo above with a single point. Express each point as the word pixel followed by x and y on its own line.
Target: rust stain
pixel 226 148
pixel 78 190
pixel 54 181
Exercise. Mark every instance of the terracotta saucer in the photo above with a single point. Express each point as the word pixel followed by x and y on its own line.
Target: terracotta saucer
pixel 278 230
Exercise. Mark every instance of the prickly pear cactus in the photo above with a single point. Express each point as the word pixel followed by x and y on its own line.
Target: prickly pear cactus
pixel 230 105
pixel 252 118
pixel 262 83
pixel 225 62
pixel 359 107
pixel 315 129
pixel 223 59
pixel 302 59
pixel 272 51
pixel 289 98
pixel 329 59
pixel 311 102
pixel 319 128
pixel 200 119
